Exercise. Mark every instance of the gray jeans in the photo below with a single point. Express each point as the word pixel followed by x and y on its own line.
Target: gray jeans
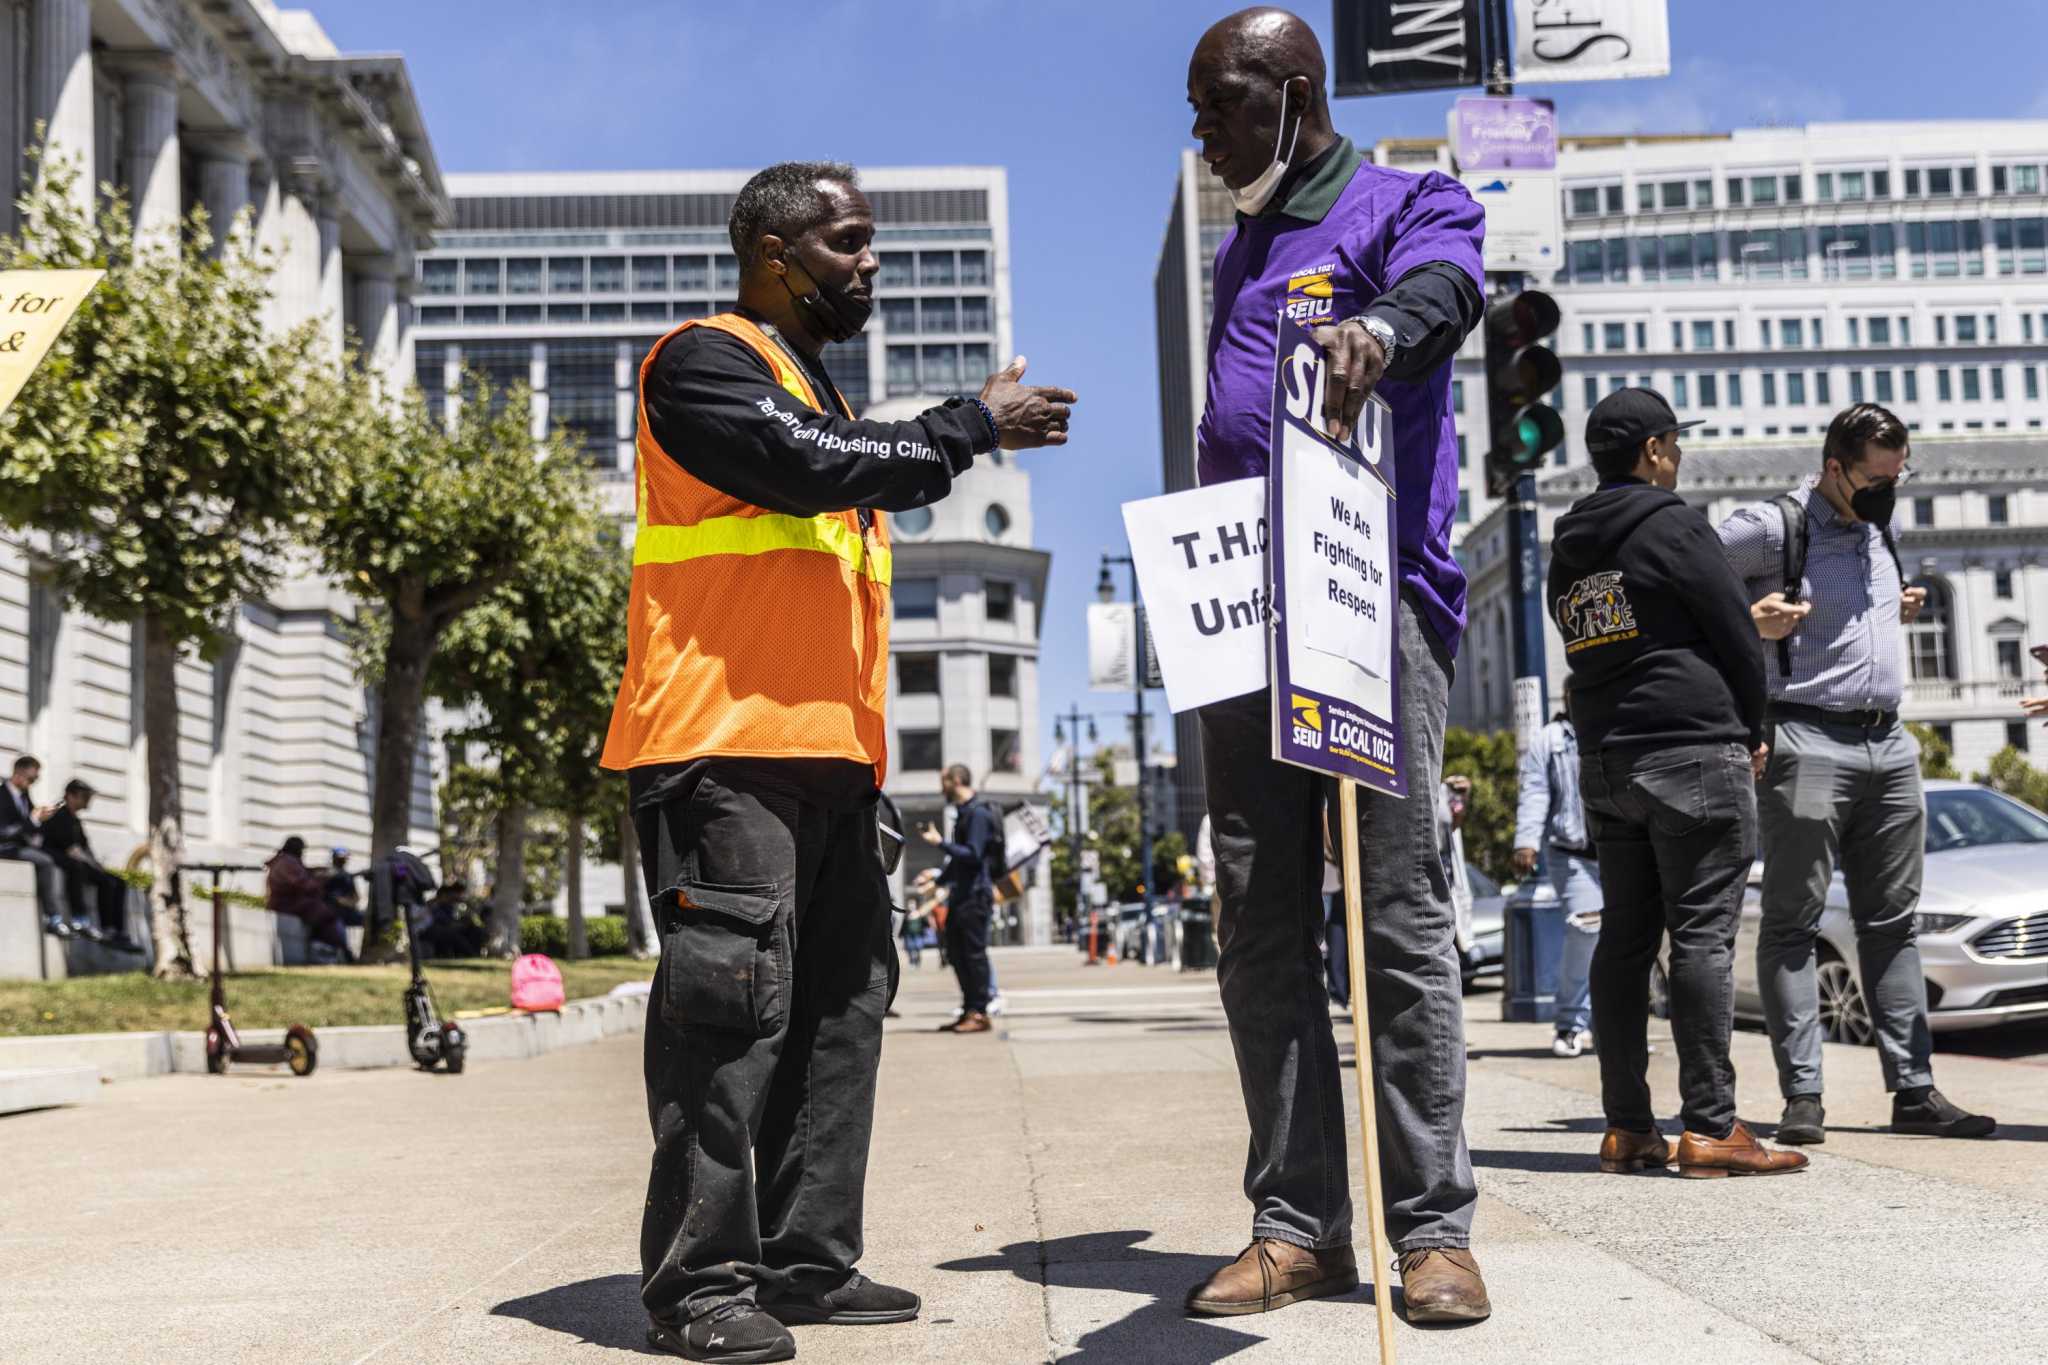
pixel 1266 822
pixel 1838 793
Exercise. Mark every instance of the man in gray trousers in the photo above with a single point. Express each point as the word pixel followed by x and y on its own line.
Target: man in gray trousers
pixel 1843 781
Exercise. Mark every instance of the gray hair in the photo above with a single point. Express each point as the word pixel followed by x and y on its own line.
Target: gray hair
pixel 785 200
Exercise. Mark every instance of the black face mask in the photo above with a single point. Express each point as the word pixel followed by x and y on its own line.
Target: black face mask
pixel 831 311
pixel 1874 503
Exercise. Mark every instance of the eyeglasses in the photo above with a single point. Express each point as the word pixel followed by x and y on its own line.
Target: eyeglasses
pixel 1905 476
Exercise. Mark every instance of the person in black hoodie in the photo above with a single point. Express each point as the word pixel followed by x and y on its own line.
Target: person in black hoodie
pixel 1666 690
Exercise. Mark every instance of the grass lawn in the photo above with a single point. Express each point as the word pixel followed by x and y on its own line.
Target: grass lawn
pixel 323 997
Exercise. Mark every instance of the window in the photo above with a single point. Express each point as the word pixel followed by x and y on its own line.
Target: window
pixel 2008 651
pixel 920 751
pixel 917 675
pixel 1905 331
pixel 1770 379
pixel 916 599
pixel 1728 334
pixel 1966 328
pixel 523 275
pixel 1709 391
pixel 1610 198
pixel 1795 388
pixel 1002 675
pixel 1820 387
pixel 1592 389
pixel 1703 194
pixel 565 312
pixel 485 313
pixel 1642 337
pixel 974 314
pixel 2016 736
pixel 1679 398
pixel 1585 202
pixel 1941 327
pixel 974 360
pixel 1586 336
pixel 693 273
pixel 1855 386
pixel 726 270
pixel 902 363
pixel 1880 331
pixel 2001 585
pixel 1991 328
pixel 1930 643
pixel 440 277
pixel 1912 378
pixel 1823 186
pixel 997 522
pixel 650 273
pixel 2026 180
pixel 1923 511
pixel 517 313
pixel 1997 509
pixel 1703 336
pixel 1997 384
pixel 1788 333
pixel 1855 331
pixel 565 274
pixel 1944 386
pixel 899 317
pixel 974 267
pixel 1735 392
pixel 1941 180
pixel 1763 189
pixel 941 368
pixel 939 315
pixel 1792 184
pixel 912 521
pixel 1614 337
pixel 935 267
pixel 1005 752
pixel 999 595
pixel 1735 191
pixel 1678 336
pixel 644 311
pixel 2030 381
pixel 480 277
pixel 607 312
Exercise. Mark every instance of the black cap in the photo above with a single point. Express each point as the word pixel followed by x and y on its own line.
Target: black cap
pixel 1626 418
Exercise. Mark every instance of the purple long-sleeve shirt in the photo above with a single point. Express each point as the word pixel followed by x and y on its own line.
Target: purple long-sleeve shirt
pixel 1325 267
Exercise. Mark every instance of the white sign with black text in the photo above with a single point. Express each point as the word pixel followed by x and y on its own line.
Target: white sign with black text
pixel 1201 558
pixel 1591 40
pixel 1336 518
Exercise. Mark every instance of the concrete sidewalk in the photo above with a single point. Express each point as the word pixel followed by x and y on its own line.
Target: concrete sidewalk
pixel 1051 1189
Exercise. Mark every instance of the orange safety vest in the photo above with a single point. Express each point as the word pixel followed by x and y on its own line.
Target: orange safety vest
pixel 752 634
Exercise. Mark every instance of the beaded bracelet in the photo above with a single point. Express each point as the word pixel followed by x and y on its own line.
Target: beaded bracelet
pixel 995 433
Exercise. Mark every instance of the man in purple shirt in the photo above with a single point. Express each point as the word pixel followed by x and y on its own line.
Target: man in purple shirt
pixel 1385 266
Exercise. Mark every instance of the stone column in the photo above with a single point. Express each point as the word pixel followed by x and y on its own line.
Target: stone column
pixel 223 184
pixel 333 278
pixel 150 82
pixel 60 91
pixel 377 313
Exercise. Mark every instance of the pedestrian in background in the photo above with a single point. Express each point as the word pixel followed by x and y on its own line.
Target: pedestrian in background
pixel 1667 690
pixel 1550 835
pixel 1843 785
pixel 973 856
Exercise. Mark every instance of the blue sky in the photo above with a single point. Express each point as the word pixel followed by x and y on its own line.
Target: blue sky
pixel 1084 102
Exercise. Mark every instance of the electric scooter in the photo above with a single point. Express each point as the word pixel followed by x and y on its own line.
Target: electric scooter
pixel 299 1050
pixel 432 1040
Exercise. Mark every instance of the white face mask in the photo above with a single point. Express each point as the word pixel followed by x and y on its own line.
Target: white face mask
pixel 1253 197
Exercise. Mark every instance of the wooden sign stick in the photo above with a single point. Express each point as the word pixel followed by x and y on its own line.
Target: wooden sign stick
pixel 1368 1109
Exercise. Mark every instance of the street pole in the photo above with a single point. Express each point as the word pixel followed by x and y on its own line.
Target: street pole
pixel 1077 796
pixel 1138 670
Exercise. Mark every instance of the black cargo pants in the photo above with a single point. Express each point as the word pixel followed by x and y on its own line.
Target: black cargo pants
pixel 764 1032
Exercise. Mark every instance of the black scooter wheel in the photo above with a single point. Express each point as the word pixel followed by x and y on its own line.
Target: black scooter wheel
pixel 216 1053
pixel 305 1052
pixel 453 1048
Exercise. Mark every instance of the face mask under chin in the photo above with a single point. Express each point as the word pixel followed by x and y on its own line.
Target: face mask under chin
pixel 1253 197
pixel 832 313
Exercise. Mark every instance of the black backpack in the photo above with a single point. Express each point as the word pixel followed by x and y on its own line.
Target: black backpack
pixel 1798 540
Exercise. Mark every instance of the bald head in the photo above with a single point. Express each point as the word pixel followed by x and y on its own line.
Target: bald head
pixel 1254 77
pixel 1265 41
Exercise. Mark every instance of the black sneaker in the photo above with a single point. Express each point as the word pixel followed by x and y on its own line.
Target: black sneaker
pixel 1936 1117
pixel 1803 1122
pixel 859 1302
pixel 735 1331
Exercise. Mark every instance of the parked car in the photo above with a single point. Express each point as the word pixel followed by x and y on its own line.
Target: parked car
pixel 1489 927
pixel 1983 930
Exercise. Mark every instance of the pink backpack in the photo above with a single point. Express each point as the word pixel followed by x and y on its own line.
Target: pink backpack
pixel 536 983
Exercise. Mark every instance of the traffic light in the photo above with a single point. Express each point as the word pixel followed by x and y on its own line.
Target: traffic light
pixel 1519 371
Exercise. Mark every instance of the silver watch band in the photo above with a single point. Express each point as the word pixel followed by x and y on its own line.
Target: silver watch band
pixel 1381 332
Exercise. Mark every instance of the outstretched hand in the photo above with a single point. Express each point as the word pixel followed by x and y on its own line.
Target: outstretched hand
pixel 1775 617
pixel 1353 363
pixel 1027 415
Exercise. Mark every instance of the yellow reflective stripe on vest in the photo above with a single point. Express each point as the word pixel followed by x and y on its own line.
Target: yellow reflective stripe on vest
pixel 761 535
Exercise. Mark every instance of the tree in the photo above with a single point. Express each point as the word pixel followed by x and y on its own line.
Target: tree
pixel 1113 836
pixel 1937 759
pixel 168 450
pixel 2012 774
pixel 538 662
pixel 438 514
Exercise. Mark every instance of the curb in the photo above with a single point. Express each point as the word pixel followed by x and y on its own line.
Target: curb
pixel 134 1056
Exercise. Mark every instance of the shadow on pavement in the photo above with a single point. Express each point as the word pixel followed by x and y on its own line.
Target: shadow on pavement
pixel 1159 1330
pixel 604 1311
pixel 2007 1132
pixel 1542 1163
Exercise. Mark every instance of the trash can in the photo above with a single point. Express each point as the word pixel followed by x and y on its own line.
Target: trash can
pixel 1527 940
pixel 1197 936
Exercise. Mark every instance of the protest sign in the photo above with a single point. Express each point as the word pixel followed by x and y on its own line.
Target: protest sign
pixel 1333 584
pixel 34 306
pixel 1201 560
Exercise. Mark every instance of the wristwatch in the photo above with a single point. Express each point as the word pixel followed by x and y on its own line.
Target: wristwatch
pixel 1382 332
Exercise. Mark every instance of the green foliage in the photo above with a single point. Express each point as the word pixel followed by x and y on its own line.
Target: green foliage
pixel 1489 830
pixel 549 934
pixel 1937 760
pixel 168 445
pixel 2011 773
pixel 1113 834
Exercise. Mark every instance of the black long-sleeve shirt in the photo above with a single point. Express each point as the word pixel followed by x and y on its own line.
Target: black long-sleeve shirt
pixel 1432 309
pixel 973 852
pixel 715 407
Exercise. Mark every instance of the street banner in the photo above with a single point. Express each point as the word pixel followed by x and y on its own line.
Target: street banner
pixel 1201 559
pixel 1506 153
pixel 1591 40
pixel 34 306
pixel 1332 574
pixel 1385 46
pixel 1112 647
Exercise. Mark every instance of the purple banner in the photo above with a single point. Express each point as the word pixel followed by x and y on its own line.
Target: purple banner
pixel 1490 134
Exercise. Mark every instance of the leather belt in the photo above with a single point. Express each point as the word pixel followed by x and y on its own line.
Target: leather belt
pixel 1820 715
pixel 1587 852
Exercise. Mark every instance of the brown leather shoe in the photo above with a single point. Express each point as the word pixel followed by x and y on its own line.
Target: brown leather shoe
pixel 1705 1158
pixel 1442 1284
pixel 1622 1151
pixel 1272 1274
pixel 974 1021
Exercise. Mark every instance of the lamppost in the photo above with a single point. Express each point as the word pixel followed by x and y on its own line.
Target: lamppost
pixel 1105 591
pixel 1077 797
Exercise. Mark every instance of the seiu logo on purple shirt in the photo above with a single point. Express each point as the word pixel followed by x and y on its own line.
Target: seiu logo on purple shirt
pixel 1311 297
